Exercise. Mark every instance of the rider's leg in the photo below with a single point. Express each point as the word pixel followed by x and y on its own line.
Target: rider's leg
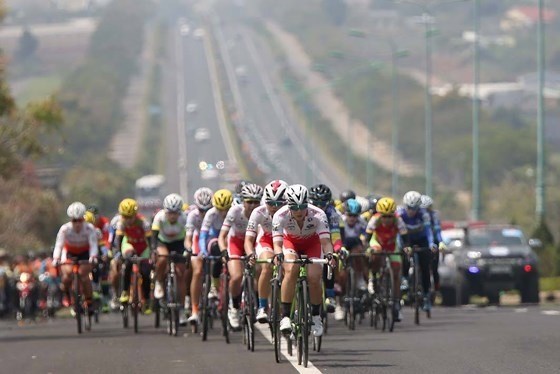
pixel 265 276
pixel 84 271
pixel 196 283
pixel 287 290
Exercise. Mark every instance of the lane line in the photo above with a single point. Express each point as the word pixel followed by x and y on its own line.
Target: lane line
pixel 311 369
pixel 551 312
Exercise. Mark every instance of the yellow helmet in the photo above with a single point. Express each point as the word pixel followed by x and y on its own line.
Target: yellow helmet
pixel 222 199
pixel 386 205
pixel 339 205
pixel 128 207
pixel 185 207
pixel 89 217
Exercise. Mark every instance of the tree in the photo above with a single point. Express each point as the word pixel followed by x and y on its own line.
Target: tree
pixel 27 46
pixel 335 10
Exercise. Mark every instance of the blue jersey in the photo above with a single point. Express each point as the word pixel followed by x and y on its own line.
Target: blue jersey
pixel 418 228
pixel 436 225
pixel 334 220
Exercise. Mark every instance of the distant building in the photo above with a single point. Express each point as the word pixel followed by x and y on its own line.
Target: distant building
pixel 486 41
pixel 521 17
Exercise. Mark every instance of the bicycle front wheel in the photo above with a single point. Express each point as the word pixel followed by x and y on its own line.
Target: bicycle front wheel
pixel 134 299
pixel 224 302
pixel 249 313
pixel 205 306
pixel 305 319
pixel 77 302
pixel 274 319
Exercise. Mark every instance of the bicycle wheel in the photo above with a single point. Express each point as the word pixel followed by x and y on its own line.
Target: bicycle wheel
pixel 389 310
pixel 157 313
pixel 299 318
pixel 224 301
pixel 175 309
pixel 205 306
pixel 275 317
pixel 351 299
pixel 169 301
pixel 306 315
pixel 134 298
pixel 77 302
pixel 417 293
pixel 249 313
pixel 87 318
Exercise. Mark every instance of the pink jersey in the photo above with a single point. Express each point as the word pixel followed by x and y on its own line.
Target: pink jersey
pixel 314 224
pixel 236 222
pixel 76 242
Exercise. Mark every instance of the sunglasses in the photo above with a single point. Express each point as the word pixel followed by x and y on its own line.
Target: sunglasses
pixel 352 215
pixel 76 220
pixel 298 207
pixel 387 215
pixel 275 203
pixel 127 217
pixel 252 201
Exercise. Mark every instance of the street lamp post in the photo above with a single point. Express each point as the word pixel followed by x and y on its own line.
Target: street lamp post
pixel 540 186
pixel 395 55
pixel 476 115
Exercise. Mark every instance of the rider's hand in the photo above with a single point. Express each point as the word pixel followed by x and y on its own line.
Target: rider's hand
pixel 55 261
pixel 252 259
pixel 343 252
pixel 225 256
pixel 93 259
pixel 442 246
pixel 433 247
pixel 278 258
pixel 407 250
pixel 332 259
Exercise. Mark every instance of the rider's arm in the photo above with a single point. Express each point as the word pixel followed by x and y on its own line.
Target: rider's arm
pixel 436 225
pixel 334 228
pixel 251 233
pixel 222 238
pixel 428 228
pixel 277 234
pixel 59 244
pixel 93 240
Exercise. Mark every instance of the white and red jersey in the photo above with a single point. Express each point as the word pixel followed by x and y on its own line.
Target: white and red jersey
pixel 260 217
pixel 212 222
pixel 76 242
pixel 236 222
pixel 194 222
pixel 315 224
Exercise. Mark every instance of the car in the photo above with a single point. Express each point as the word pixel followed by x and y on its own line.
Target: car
pixel 198 33
pixel 202 134
pixel 241 72
pixel 191 107
pixel 209 173
pixel 185 30
pixel 486 260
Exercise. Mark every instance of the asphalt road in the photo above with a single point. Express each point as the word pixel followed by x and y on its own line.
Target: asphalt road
pixel 462 340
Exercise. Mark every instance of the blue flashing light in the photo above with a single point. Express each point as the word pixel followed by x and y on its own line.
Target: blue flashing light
pixel 473 270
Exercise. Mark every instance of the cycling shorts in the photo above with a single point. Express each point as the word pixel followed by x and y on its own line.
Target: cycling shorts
pixel 395 259
pixel 65 258
pixel 311 247
pixel 236 246
pixel 177 246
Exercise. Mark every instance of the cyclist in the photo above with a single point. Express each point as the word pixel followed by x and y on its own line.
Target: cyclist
pixel 427 204
pixel 101 222
pixel 301 228
pixel 372 199
pixel 354 230
pixel 113 276
pixel 209 231
pixel 347 194
pixel 237 198
pixel 232 240
pixel 102 247
pixel 321 196
pixel 78 239
pixel 202 203
pixel 384 228
pixel 262 217
pixel 168 236
pixel 138 234
pixel 418 233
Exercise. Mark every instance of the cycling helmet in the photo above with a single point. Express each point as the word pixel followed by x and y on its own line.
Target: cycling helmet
pixel 426 201
pixel 320 194
pixel 76 210
pixel 275 191
pixel 297 195
pixel 373 199
pixel 386 205
pixel 203 198
pixel 252 191
pixel 173 203
pixel 412 199
pixel 128 207
pixel 353 207
pixel 364 203
pixel 348 194
pixel 185 206
pixel 222 199
pixel 239 187
pixel 89 217
pixel 93 208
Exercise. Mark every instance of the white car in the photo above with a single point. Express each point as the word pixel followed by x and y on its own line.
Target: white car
pixel 198 33
pixel 202 134
pixel 209 174
pixel 191 107
pixel 185 30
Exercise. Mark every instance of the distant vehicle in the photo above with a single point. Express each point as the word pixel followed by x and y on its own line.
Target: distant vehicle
pixel 149 193
pixel 202 134
pixel 486 260
pixel 185 30
pixel 192 107
pixel 241 72
pixel 209 174
pixel 198 33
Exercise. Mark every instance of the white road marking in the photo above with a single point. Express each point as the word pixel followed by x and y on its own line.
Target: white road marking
pixel 521 310
pixel 265 331
pixel 551 312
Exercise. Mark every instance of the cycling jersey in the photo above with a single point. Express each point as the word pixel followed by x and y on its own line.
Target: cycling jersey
pixel 136 233
pixel 194 223
pixel 261 217
pixel 210 228
pixel 102 223
pixel 304 240
pixel 235 225
pixel 418 227
pixel 436 225
pixel 335 222
pixel 385 235
pixel 75 242
pixel 169 232
pixel 359 228
pixel 113 230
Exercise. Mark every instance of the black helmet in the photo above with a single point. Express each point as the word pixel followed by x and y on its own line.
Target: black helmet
pixel 320 195
pixel 242 183
pixel 93 208
pixel 373 199
pixel 348 194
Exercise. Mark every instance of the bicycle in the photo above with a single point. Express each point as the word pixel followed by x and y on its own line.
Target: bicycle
pixel 135 304
pixel 301 309
pixel 172 302
pixel 354 302
pixel 385 297
pixel 208 306
pixel 81 308
pixel 274 321
pixel 414 274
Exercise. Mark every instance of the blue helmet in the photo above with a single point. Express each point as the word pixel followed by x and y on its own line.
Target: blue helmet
pixel 353 207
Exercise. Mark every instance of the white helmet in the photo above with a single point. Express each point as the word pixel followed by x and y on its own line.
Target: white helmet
pixel 426 201
pixel 76 210
pixel 203 198
pixel 364 203
pixel 297 195
pixel 252 191
pixel 275 191
pixel 412 199
pixel 173 203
